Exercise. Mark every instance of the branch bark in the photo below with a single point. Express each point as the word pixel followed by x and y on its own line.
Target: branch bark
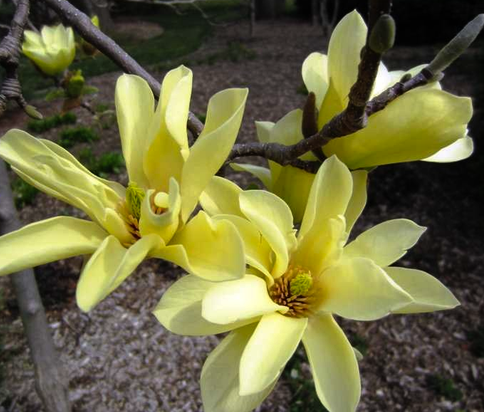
pixel 111 49
pixel 51 382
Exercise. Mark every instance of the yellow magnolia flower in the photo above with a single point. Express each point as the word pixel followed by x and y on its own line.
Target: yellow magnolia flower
pixel 296 283
pixel 425 123
pixel 289 183
pixel 150 218
pixel 52 51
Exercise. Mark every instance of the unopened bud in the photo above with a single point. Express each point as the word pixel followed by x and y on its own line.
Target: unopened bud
pixel 458 45
pixel 405 78
pixel 33 112
pixel 310 116
pixel 382 36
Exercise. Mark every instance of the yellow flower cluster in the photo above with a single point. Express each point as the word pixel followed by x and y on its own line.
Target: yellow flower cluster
pixel 252 269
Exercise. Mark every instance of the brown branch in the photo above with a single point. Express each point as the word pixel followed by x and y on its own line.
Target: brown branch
pixel 82 23
pixel 9 58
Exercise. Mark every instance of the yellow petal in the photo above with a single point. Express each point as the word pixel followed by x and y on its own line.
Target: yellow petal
pixel 108 267
pixel 242 299
pixel 264 131
pixel 262 173
pixel 358 198
pixel 32 39
pixel 387 242
pixel 428 293
pixel 412 127
pixel 320 249
pixel 293 186
pixel 222 395
pixel 165 224
pixel 459 150
pixel 57 175
pixel 315 75
pixel 273 218
pixel 360 290
pixel 344 51
pixel 47 241
pixel 270 347
pixel 180 308
pixel 332 105
pixel 330 193
pixel 333 364
pixel 135 106
pixel 207 155
pixel 221 196
pixel 210 249
pixel 258 253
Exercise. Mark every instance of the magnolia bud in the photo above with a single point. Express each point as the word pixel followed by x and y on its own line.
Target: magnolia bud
pixel 456 46
pixel 382 36
pixel 33 112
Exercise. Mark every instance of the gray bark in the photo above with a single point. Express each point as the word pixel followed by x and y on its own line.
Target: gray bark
pixel 50 379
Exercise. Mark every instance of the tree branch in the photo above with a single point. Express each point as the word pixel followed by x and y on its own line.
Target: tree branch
pixel 9 58
pixel 82 23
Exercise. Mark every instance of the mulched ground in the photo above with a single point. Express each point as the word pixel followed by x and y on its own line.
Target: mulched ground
pixel 120 359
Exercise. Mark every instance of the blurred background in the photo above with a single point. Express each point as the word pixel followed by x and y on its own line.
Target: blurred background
pixel 118 357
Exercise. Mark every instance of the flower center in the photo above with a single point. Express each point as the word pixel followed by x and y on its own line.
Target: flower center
pixel 294 290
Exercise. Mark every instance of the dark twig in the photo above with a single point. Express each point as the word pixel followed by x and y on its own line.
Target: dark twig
pixel 9 58
pixel 83 25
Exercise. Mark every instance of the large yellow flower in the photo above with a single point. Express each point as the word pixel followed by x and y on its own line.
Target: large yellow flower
pixel 296 284
pixel 425 122
pixel 151 218
pixel 53 50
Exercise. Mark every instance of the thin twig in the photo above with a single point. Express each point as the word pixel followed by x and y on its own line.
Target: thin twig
pixel 83 25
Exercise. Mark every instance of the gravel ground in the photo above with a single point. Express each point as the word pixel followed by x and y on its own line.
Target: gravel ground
pixel 120 359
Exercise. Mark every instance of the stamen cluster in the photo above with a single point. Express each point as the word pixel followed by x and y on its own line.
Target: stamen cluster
pixel 294 290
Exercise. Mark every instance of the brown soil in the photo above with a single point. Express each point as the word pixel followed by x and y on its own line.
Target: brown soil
pixel 120 359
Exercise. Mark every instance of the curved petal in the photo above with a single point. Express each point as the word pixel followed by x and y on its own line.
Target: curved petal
pixel 220 376
pixel 246 298
pixel 322 233
pixel 329 196
pixel 412 127
pixel 168 145
pixel 108 267
pixel 260 172
pixel 175 99
pixel 180 309
pixel 358 198
pixel 360 290
pixel 315 75
pixel 344 51
pixel 258 253
pixel 57 175
pixel 32 39
pixel 135 106
pixel 385 243
pixel 165 224
pixel 210 249
pixel 47 241
pixel 274 220
pixel 459 150
pixel 270 347
pixel 221 196
pixel 207 155
pixel 428 293
pixel 333 364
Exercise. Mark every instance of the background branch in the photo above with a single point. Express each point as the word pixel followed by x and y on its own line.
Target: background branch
pixel 82 23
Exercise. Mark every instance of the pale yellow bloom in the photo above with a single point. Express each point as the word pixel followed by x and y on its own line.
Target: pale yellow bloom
pixel 151 218
pixel 52 51
pixel 297 282
pixel 425 123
